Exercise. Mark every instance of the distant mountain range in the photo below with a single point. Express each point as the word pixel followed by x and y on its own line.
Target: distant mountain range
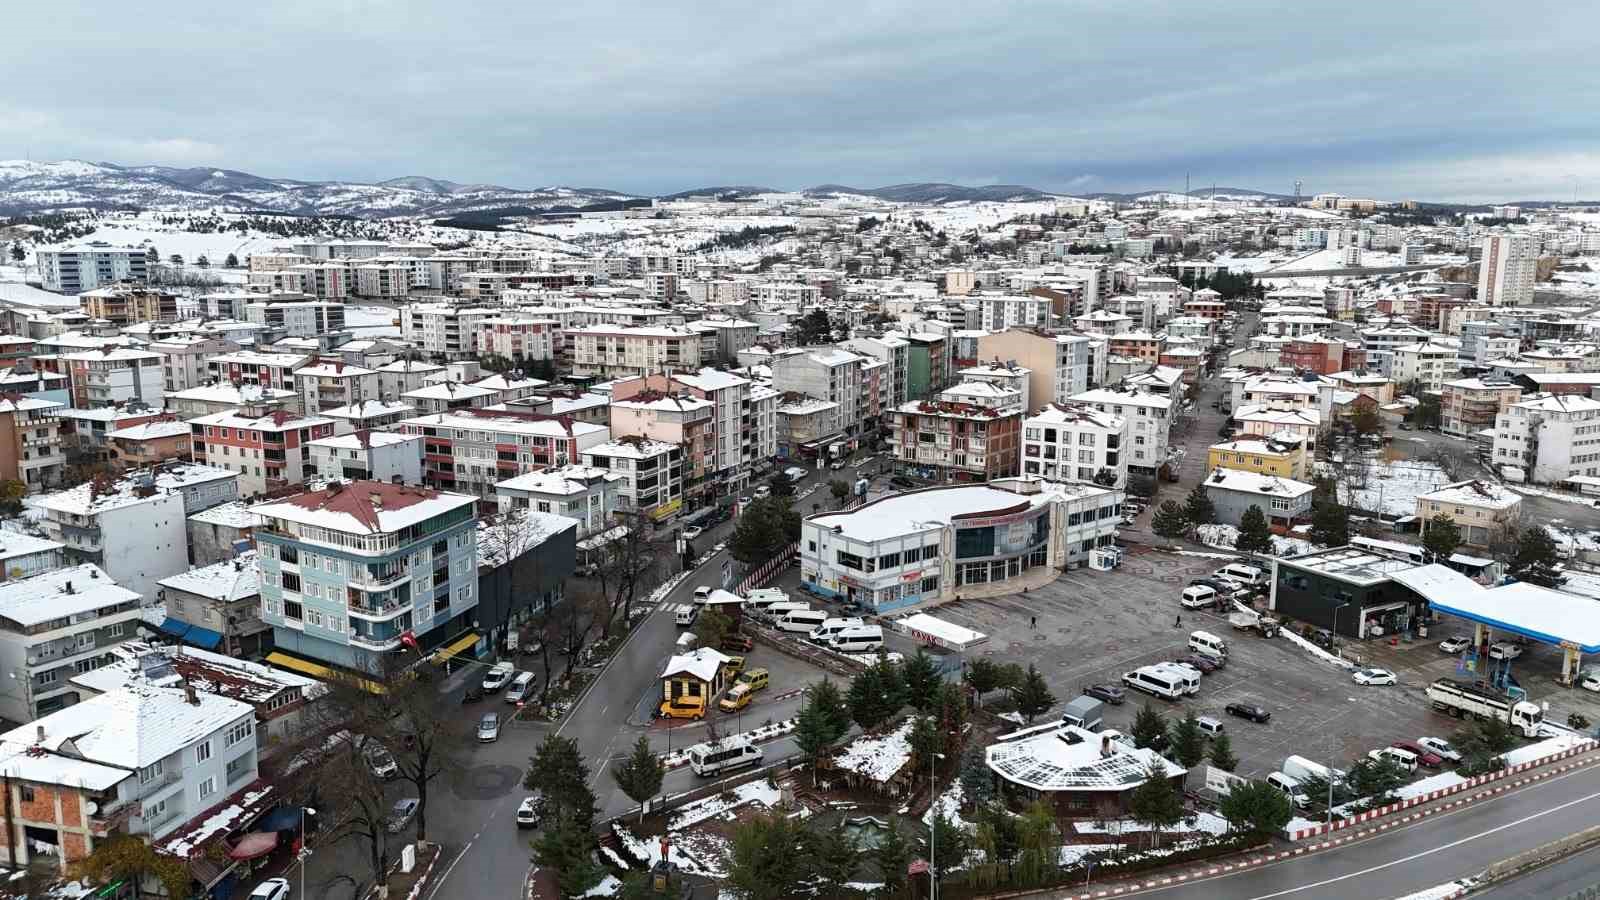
pixel 29 187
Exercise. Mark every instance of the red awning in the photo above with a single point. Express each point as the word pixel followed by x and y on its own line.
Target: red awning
pixel 254 844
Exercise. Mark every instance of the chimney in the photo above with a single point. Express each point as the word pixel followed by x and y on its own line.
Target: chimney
pixel 189 695
pixel 1105 745
pixel 39 730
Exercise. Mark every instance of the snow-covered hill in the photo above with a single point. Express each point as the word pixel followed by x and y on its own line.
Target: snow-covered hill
pixel 27 187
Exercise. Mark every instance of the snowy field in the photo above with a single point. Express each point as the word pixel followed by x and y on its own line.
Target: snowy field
pixel 1392 488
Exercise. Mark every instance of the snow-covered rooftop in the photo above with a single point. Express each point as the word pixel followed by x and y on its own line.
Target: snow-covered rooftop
pixel 272 421
pixel 901 514
pixel 236 514
pixel 132 727
pixel 227 581
pixel 1062 757
pixel 1474 492
pixel 213 673
pixel 150 431
pixel 59 594
pixel 367 409
pixel 1255 483
pixel 132 488
pixel 701 664
pixel 227 392
pixel 515 532
pixel 878 757
pixel 363 507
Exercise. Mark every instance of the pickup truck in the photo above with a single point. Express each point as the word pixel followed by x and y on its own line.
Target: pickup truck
pixel 1254 621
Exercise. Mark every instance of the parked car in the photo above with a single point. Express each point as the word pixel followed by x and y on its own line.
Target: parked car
pixel 381 762
pixel 1504 650
pixel 1439 747
pixel 530 811
pixel 1454 644
pixel 738 643
pixel 402 813
pixel 1253 712
pixel 473 694
pixel 489 728
pixel 1405 426
pixel 1107 692
pixel 1206 664
pixel 691 532
pixel 1424 756
pixel 498 677
pixel 1373 676
pixel 837 464
pixel 762 492
pixel 271 889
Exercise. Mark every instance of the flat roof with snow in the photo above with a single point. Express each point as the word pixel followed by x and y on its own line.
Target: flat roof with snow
pixel 1063 757
pixel 938 632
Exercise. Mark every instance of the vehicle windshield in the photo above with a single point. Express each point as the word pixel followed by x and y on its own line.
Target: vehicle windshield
pixel 734 693
pixel 1536 717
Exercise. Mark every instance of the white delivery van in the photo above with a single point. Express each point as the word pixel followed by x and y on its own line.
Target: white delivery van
pixel 1290 787
pixel 761 598
pixel 1300 768
pixel 686 615
pixel 1400 756
pixel 1208 643
pixel 825 632
pixel 1154 681
pixel 1244 573
pixel 801 621
pixel 1187 676
pixel 858 639
pixel 521 687
pixel 776 611
pixel 795 473
pixel 1198 596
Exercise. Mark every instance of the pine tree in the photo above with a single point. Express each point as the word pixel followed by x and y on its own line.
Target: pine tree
pixel 566 846
pixel 814 731
pixel 892 856
pixel 1221 754
pixel 756 534
pixel 869 704
pixel 18 254
pixel 983 675
pixel 1033 696
pixel 1149 729
pixel 1254 535
pixel 1330 524
pixel 1441 538
pixel 977 782
pixel 768 858
pixel 1169 520
pixel 1256 808
pixel 1535 560
pixel 557 771
pixel 921 676
pixel 640 775
pixel 1198 508
pixel 1188 744
pixel 1156 803
pixel 232 261
pixel 826 696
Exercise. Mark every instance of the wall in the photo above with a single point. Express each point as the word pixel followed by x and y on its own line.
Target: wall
pixel 517 589
pixel 145 543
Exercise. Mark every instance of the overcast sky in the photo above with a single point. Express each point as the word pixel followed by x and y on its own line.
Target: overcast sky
pixel 1460 100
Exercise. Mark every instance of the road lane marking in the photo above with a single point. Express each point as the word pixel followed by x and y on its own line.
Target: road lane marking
pixel 450 868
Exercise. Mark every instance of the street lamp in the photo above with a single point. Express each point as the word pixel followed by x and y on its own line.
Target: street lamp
pixel 305 847
pixel 933 826
pixel 1335 635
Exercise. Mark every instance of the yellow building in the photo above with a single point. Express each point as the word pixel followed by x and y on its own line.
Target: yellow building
pixel 690 682
pixel 1264 456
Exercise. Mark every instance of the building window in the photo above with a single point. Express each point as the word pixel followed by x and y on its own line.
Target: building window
pixel 239 732
pixel 291 582
pixel 293 610
pixel 202 751
pixel 27 794
pixel 208 787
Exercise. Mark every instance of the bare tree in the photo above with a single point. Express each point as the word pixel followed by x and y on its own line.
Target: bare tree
pixel 330 772
pixel 627 561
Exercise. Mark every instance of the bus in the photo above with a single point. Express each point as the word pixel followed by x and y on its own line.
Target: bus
pixel 720 756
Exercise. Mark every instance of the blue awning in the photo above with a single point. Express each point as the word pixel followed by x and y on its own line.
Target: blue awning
pixel 204 638
pixel 284 818
pixel 175 627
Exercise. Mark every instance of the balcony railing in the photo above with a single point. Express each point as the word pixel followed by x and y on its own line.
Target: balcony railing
pixel 363 640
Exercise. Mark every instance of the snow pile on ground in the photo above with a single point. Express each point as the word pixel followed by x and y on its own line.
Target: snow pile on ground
pixel 1228 536
pixel 758 791
pixel 1072 854
pixel 948 803
pixel 1442 891
pixel 1543 748
pixel 1316 651
pixel 878 757
pixel 606 888
pixel 698 854
pixel 764 733
pixel 1210 823
pixel 1528 491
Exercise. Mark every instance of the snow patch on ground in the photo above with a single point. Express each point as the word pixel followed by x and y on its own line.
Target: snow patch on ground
pixel 877 757
pixel 758 791
pixel 607 888
pixel 1392 488
pixel 1316 651
pixel 1228 536
pixel 949 803
pixel 1550 495
pixel 1210 823
pixel 1441 891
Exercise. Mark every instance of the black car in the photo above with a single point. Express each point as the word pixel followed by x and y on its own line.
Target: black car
pixel 473 694
pixel 1248 711
pixel 1109 693
pixel 901 481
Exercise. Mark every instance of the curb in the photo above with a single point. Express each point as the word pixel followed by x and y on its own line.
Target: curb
pixel 422 880
pixel 1476 781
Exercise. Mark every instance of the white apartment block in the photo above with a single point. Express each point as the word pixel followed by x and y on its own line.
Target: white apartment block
pixel 895 353
pixel 269 370
pixel 1000 313
pixel 1149 422
pixel 404 376
pixel 579 492
pixel 369 456
pixel 611 351
pixel 326 385
pixel 1430 364
pixel 473 450
pixel 1506 271
pixel 297 318
pixel 267 449
pixel 84 267
pixel 1012 377
pixel 518 339
pixel 1074 442
pixel 185 360
pixel 446 331
pixel 769 294
pixel 1550 437
pixel 55 625
pixel 652 473
pixel 112 376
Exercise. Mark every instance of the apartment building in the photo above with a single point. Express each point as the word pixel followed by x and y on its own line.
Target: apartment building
pixel 165 762
pixel 31 449
pixel 732 335
pixel 1470 405
pixel 184 360
pixel 405 375
pixel 269 370
pixel 1304 424
pixel 806 426
pixel 1485 511
pixel 217 607
pixel 221 396
pixel 1549 438
pixel 652 474
pixel 441 330
pixel 1319 355
pixel 83 267
pixel 1507 269
pixel 733 441
pixel 267 449
pixel 1141 345
pixel 956 442
pixel 1149 422
pixel 325 385
pixel 297 318
pixel 1261 455
pixel 365 455
pixel 1058 365
pixel 1076 443
pixel 346 571
pixel 519 339
pixel 589 495
pixel 1000 313
pixel 895 354
pixel 828 374
pixel 611 351
pixel 682 420
pixel 54 625
pixel 150 443
pixel 369 415
pixel 1009 376
pixel 472 450
pixel 124 304
pixel 113 375
pixel 1428 364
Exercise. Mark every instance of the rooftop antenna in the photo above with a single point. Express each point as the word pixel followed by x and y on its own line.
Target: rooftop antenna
pixel 1297 183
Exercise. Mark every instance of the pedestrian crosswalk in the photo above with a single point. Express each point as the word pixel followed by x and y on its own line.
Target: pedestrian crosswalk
pixel 674 608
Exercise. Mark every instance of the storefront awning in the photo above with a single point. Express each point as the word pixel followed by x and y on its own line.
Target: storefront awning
pixel 456 648
pixel 306 667
pixel 204 638
pixel 175 627
pixel 253 845
pixel 284 818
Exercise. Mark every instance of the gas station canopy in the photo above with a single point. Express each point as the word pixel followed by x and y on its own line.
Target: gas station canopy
pixel 1553 617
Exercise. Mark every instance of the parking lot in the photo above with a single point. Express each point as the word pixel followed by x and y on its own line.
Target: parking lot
pixel 1093 626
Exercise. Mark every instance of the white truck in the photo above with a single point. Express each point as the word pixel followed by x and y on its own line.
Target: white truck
pixel 1254 621
pixel 1459 699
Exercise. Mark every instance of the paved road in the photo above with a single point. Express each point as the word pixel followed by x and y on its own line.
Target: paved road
pixel 1430 852
pixel 1572 874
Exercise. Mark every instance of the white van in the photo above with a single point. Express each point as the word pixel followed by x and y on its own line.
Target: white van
pixel 720 756
pixel 776 611
pixel 1189 678
pixel 825 632
pixel 1208 643
pixel 1199 596
pixel 521 687
pixel 801 621
pixel 1400 756
pixel 761 598
pixel 1244 573
pixel 1210 727
pixel 858 639
pixel 687 642
pixel 686 615
pixel 1159 682
pixel 1291 788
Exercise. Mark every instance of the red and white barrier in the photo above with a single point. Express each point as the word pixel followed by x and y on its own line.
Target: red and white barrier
pixel 767 570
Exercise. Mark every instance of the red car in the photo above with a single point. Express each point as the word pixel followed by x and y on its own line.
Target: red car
pixel 1424 756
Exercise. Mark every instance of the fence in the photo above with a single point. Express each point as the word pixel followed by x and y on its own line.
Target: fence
pixel 767 570
pixel 1302 833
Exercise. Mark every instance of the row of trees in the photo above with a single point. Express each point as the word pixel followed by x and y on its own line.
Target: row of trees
pixel 1174 520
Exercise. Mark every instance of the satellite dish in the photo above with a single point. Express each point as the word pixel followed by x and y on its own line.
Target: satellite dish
pixel 91 807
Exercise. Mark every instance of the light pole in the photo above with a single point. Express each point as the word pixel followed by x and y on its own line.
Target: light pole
pixel 305 847
pixel 1334 636
pixel 933 826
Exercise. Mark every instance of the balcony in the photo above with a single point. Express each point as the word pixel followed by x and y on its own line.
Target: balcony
pixel 114 819
pixel 374 643
pixel 157 784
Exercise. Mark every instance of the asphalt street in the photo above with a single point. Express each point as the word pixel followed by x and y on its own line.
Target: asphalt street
pixel 1429 852
pixel 1575 873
